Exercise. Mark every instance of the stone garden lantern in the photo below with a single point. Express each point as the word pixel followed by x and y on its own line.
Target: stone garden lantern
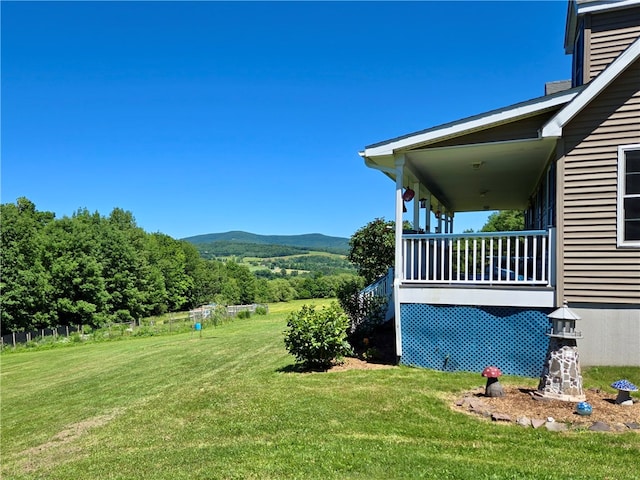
pixel 561 377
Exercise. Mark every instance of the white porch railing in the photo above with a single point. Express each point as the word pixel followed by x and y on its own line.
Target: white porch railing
pixel 498 258
pixel 383 287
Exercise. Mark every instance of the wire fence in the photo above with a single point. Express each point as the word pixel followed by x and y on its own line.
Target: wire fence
pixel 194 320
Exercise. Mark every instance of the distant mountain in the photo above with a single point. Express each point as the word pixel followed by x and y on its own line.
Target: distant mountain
pixel 311 241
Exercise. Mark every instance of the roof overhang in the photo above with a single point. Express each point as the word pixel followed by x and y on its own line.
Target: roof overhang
pixel 491 174
pixel 553 128
pixel 494 118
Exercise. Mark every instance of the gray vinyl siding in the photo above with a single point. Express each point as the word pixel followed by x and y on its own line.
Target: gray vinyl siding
pixel 611 33
pixel 594 268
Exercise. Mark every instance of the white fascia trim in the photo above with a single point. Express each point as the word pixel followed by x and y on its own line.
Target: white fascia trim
pixel 502 116
pixel 553 128
pixel 601 5
pixel 570 28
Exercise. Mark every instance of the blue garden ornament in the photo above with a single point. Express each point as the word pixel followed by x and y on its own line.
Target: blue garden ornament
pixel 624 387
pixel 584 408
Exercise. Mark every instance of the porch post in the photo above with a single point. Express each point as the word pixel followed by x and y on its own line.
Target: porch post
pixel 427 214
pixel 399 267
pixel 416 206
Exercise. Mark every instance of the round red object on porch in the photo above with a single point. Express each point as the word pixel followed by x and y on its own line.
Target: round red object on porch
pixel 408 195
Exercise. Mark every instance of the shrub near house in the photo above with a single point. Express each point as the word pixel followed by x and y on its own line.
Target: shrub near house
pixel 317 338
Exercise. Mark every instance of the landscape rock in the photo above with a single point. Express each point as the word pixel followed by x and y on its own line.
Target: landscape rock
pixel 500 417
pixel 524 421
pixel 600 427
pixel 633 425
pixel 537 422
pixel 556 427
pixel 477 406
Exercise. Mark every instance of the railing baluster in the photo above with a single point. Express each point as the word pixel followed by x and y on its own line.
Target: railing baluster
pixel 427 262
pixel 458 260
pixel 535 259
pixel 491 260
pixel 442 247
pixel 475 256
pixel 525 257
pixel 499 260
pixel 482 262
pixel 450 269
pixel 420 275
pixel 508 261
pixel 516 260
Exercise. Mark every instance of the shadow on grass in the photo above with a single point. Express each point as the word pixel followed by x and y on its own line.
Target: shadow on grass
pixel 300 368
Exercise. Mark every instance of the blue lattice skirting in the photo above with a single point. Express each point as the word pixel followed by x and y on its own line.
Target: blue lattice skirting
pixel 466 338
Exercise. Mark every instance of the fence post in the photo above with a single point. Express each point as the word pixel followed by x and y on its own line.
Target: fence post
pixel 14 339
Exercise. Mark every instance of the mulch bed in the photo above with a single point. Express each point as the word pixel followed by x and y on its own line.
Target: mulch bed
pixel 519 402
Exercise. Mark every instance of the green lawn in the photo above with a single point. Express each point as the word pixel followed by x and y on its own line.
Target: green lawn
pixel 228 405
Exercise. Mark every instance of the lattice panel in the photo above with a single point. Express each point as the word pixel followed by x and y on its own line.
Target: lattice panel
pixel 454 338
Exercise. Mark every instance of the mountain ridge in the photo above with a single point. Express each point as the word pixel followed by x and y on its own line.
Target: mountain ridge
pixel 308 240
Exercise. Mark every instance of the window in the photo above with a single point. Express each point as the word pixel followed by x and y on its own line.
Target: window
pixel 629 195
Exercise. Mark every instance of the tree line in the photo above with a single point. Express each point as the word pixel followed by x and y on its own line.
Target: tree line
pixel 93 270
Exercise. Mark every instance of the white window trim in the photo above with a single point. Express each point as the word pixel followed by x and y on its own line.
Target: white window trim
pixel 621 183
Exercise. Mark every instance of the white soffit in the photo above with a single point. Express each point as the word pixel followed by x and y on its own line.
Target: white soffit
pixel 471 124
pixel 553 128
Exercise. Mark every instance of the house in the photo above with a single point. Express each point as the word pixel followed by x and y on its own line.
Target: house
pixel 571 161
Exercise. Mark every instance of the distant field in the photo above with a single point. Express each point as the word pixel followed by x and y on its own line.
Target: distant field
pixel 324 262
pixel 229 405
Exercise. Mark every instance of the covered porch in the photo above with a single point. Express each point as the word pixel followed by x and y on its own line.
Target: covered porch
pixel 494 161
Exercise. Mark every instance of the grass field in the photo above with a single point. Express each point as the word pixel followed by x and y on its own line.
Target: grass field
pixel 228 405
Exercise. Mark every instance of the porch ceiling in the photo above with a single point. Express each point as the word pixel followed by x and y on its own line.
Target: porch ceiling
pixel 488 176
pixel 491 161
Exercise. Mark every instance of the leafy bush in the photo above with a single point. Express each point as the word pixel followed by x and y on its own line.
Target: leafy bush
pixel 365 311
pixel 317 338
pixel 261 310
pixel 75 337
pixel 243 314
pixel 144 331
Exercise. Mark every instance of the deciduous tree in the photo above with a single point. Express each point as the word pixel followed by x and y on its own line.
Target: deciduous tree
pixel 371 249
pixel 505 221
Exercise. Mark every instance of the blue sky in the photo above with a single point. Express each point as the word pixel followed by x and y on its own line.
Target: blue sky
pixel 203 117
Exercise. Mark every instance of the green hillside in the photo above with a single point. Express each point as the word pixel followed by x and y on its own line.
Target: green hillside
pixel 310 241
